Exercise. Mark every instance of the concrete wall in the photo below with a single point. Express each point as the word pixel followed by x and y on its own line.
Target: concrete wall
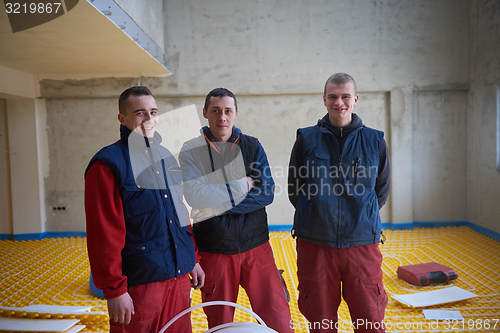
pixel 276 56
pixel 283 47
pixel 78 129
pixel 483 178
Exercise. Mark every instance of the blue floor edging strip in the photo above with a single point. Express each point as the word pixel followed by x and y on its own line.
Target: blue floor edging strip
pixel 280 227
pixel 43 235
pixel 484 231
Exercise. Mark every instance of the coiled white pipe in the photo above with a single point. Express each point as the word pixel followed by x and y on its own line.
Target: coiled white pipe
pixel 236 327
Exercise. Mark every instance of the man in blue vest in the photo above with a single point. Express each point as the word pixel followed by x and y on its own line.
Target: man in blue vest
pixel 228 183
pixel 339 178
pixel 139 244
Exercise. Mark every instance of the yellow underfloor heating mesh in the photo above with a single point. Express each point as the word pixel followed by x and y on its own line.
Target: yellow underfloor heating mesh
pixel 56 272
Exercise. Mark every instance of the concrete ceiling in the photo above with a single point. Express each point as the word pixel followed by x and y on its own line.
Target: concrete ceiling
pixel 83 41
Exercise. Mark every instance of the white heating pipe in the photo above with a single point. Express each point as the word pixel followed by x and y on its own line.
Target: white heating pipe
pixel 236 327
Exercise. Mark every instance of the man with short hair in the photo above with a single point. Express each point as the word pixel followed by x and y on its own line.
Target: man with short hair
pixel 339 178
pixel 228 183
pixel 139 245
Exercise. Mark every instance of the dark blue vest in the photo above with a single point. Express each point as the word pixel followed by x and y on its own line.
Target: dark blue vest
pixel 337 204
pixel 158 243
pixel 229 233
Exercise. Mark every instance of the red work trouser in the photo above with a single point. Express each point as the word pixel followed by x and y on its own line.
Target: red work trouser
pixel 325 273
pixel 155 304
pixel 256 271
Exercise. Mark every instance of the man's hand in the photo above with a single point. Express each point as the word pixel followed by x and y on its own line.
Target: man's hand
pixel 121 309
pixel 202 214
pixel 198 277
pixel 251 183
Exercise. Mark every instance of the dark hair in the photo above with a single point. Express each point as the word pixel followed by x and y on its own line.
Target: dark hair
pixel 219 92
pixel 135 91
pixel 339 79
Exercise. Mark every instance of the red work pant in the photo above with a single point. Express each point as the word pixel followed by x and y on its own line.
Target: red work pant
pixel 256 271
pixel 325 273
pixel 155 304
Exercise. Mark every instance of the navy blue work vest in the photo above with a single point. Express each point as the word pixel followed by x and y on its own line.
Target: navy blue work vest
pixel 337 204
pixel 157 247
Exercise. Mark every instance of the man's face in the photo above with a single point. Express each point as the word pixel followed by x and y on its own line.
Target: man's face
pixel 221 114
pixel 141 115
pixel 340 100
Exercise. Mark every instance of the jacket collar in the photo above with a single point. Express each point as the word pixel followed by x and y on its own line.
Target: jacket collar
pixel 220 147
pixel 135 140
pixel 355 124
pixel 234 136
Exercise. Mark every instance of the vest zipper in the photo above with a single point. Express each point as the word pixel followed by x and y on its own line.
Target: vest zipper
pixel 341 181
pixel 339 218
pixel 339 201
pixel 356 171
